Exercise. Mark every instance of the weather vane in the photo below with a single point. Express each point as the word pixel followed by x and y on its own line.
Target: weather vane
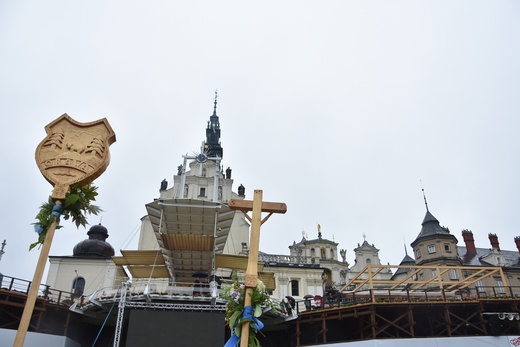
pixel 424 196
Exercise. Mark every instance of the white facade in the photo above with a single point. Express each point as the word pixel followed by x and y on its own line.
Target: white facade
pixel 97 273
pixel 367 254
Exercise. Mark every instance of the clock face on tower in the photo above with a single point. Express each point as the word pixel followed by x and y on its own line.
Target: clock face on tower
pixel 201 158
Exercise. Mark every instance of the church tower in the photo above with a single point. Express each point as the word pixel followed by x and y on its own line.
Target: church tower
pixel 212 145
pixel 202 177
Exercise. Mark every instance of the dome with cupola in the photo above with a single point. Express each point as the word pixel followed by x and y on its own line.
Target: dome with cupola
pixel 95 246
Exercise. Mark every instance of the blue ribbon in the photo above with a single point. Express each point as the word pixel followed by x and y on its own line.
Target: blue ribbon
pixel 255 323
pixel 233 341
pixel 56 212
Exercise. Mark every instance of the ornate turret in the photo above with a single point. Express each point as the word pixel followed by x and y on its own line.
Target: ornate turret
pixel 431 228
pixel 212 145
pixel 95 246
pixel 435 243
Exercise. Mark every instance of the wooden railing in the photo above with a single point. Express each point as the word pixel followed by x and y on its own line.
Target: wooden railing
pixel 382 296
pixel 45 292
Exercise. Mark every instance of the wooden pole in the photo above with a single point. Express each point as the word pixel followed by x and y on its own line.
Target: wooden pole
pixel 257 206
pixel 35 285
pixel 252 263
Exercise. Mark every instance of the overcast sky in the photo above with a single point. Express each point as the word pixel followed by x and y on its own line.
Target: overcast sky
pixel 340 109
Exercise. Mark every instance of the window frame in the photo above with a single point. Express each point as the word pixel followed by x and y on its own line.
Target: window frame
pixel 295 287
pixel 453 274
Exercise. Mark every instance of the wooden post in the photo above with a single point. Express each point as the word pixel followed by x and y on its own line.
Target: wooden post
pixel 35 285
pixel 252 262
pixel 81 150
pixel 257 206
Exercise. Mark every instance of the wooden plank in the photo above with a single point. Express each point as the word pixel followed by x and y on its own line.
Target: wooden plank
pixel 247 205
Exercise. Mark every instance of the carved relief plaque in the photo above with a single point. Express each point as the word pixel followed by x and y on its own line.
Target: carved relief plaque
pixel 74 152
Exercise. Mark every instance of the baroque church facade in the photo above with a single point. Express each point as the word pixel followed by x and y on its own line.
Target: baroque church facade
pixel 312 266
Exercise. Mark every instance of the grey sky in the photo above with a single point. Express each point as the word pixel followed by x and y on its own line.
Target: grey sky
pixel 337 108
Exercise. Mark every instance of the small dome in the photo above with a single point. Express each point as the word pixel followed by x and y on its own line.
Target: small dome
pixel 95 245
pixel 98 232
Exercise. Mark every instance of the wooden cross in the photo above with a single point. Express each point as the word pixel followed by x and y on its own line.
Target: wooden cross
pixel 257 206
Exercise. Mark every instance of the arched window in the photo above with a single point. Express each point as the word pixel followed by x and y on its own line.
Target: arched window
pixel 369 261
pixel 78 286
pixel 313 252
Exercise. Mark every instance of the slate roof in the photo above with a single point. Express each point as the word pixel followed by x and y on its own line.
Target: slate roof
pixel 512 258
pixel 431 228
pixel 407 260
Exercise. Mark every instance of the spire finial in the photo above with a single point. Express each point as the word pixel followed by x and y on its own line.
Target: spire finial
pixel 215 103
pixel 2 250
pixel 404 244
pixel 424 196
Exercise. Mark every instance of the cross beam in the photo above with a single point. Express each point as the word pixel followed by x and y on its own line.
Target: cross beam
pixel 257 206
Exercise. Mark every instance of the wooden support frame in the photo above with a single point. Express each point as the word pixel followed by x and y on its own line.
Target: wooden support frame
pixel 402 320
pixel 367 279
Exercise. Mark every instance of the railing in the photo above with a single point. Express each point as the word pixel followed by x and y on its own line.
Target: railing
pixel 288 259
pixel 157 289
pixel 45 292
pixel 382 296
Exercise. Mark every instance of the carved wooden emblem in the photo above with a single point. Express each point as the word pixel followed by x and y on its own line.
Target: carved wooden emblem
pixel 74 152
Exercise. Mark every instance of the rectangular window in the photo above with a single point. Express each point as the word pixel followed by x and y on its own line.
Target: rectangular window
pixel 295 288
pixel 479 286
pixel 500 285
pixel 447 247
pixel 431 249
pixel 202 192
pixel 453 274
pixel 421 277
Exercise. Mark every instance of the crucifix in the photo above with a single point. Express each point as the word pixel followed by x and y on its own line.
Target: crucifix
pixel 257 206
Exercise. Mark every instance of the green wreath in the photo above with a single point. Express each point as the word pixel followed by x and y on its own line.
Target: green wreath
pixel 76 205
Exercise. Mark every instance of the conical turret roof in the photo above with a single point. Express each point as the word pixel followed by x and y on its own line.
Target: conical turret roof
pixel 431 228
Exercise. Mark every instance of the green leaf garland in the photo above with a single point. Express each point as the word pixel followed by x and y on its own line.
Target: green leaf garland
pixel 234 294
pixel 76 206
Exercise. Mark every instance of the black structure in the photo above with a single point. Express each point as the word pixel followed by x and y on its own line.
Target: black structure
pixel 212 145
pixel 95 246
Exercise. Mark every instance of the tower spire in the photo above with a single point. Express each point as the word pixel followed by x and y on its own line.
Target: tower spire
pixel 424 196
pixel 2 249
pixel 212 143
pixel 215 103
